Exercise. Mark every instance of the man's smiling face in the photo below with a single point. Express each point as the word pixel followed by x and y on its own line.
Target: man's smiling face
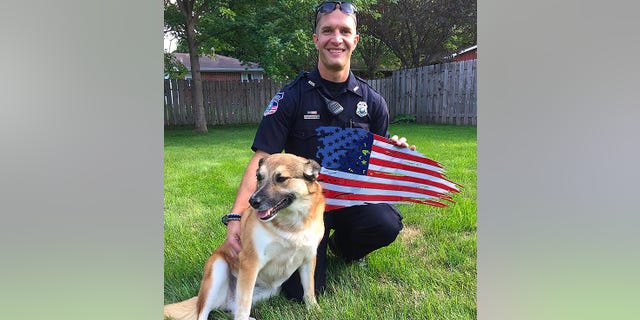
pixel 335 39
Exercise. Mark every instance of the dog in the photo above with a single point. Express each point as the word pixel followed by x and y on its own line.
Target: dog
pixel 280 234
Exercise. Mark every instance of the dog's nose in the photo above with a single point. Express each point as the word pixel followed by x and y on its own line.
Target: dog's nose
pixel 255 201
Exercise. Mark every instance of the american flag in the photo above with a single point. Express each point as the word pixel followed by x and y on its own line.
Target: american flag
pixel 359 167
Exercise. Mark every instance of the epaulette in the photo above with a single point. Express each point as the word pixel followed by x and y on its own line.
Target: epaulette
pixel 366 83
pixel 302 75
pixel 361 80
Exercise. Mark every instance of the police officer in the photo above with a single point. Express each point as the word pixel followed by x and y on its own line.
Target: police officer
pixel 329 95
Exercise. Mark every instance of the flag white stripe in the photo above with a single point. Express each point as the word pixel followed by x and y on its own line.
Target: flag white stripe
pixel 374 192
pixel 407 151
pixel 382 156
pixel 349 203
pixel 414 174
pixel 391 182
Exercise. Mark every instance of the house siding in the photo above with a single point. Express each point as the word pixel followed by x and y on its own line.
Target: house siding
pixel 220 68
pixel 469 55
pixel 220 76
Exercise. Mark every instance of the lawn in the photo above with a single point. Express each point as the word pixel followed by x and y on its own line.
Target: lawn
pixel 429 272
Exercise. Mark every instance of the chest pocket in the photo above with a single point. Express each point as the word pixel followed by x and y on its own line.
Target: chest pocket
pixel 303 133
pixel 302 142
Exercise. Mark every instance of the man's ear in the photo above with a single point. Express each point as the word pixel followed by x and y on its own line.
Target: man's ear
pixel 311 170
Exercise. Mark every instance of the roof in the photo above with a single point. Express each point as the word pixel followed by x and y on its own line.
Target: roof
pixel 474 47
pixel 218 63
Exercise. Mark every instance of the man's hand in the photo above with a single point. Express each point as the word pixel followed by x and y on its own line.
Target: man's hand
pixel 233 236
pixel 402 143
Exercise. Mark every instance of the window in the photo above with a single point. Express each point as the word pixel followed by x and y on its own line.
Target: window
pixel 246 77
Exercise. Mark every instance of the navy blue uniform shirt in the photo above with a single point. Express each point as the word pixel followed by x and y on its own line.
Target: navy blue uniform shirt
pixel 289 123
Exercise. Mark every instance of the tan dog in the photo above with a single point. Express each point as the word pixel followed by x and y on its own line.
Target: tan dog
pixel 279 235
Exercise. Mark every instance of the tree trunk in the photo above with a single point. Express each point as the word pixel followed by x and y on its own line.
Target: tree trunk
pixel 196 93
pixel 186 7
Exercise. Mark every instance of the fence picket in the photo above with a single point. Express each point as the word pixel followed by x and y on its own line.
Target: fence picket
pixel 167 103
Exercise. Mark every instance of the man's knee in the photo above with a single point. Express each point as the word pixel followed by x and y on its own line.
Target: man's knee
pixel 388 233
pixel 390 222
pixel 381 224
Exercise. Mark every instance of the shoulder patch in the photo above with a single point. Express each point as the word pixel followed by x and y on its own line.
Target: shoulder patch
pixel 273 105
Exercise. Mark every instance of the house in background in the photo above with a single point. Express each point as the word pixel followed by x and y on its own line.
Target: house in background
pixel 469 53
pixel 220 67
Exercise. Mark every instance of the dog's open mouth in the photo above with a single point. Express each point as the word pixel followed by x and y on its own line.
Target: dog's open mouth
pixel 267 215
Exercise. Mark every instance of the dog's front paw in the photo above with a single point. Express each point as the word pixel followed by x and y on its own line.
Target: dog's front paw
pixel 312 304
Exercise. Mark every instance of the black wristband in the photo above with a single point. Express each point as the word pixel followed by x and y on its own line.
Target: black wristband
pixel 230 217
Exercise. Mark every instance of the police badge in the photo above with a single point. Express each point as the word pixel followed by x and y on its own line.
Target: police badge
pixel 361 109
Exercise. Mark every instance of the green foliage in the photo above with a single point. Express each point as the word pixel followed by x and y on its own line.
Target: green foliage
pixel 173 19
pixel 373 54
pixel 421 32
pixel 173 68
pixel 277 34
pixel 428 272
pixel 217 18
pixel 278 37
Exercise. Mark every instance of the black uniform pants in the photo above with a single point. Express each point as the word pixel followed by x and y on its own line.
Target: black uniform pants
pixel 358 230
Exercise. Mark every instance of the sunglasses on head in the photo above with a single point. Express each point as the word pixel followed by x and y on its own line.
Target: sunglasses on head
pixel 330 6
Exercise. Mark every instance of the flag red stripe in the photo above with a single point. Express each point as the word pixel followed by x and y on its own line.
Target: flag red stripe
pixel 391 164
pixel 375 185
pixel 400 154
pixel 357 201
pixel 379 174
pixel 341 189
pixel 385 198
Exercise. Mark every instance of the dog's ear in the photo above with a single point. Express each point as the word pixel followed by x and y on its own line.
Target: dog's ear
pixel 311 170
pixel 258 176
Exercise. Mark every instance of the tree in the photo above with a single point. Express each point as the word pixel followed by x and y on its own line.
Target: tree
pixel 173 68
pixel 373 54
pixel 422 32
pixel 182 17
pixel 275 34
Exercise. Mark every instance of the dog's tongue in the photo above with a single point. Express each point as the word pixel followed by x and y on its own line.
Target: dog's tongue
pixel 264 213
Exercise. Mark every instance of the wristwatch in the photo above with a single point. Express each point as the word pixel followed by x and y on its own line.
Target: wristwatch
pixel 230 217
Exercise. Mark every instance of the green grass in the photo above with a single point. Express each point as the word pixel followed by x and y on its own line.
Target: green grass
pixel 429 272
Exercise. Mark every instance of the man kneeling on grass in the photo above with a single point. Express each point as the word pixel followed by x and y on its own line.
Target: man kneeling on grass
pixel 289 124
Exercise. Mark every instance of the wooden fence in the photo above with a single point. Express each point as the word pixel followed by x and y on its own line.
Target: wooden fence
pixel 225 102
pixel 443 93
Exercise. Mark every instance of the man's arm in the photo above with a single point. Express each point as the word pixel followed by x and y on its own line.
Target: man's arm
pixel 246 188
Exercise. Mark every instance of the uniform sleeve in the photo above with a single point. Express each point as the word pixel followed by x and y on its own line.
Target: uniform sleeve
pixel 277 119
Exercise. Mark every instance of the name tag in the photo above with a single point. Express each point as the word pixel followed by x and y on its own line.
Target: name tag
pixel 311 115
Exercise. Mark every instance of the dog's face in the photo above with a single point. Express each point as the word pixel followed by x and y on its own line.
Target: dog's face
pixel 283 179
